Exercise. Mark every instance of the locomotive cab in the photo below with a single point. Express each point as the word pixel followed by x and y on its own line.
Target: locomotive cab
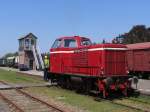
pixel 101 66
pixel 71 42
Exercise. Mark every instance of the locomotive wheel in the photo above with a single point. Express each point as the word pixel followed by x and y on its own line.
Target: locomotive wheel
pixel 125 93
pixel 61 82
pixel 102 88
pixel 105 93
pixel 86 85
pixel 68 83
pixel 87 88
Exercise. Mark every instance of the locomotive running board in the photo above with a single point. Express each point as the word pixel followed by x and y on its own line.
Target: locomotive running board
pixel 88 76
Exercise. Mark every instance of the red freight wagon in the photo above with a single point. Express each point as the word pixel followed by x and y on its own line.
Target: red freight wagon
pixel 138 56
pixel 101 66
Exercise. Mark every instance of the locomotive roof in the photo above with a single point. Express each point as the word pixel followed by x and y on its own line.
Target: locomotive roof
pixel 71 37
pixel 144 45
pixel 98 45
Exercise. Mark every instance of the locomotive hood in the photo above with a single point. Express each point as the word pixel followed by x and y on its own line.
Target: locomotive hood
pixel 108 46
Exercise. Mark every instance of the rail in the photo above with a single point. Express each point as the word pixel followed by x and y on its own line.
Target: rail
pixel 18 108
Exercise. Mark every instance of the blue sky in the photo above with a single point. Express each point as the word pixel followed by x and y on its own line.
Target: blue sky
pixel 50 19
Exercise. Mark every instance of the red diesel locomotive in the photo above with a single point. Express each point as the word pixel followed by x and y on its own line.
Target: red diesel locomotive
pixel 100 67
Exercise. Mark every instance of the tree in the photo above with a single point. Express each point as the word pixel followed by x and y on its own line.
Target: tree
pixel 118 40
pixel 137 34
pixel 10 55
pixel 16 54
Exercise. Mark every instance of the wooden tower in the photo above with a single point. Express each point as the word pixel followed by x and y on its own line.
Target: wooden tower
pixel 29 58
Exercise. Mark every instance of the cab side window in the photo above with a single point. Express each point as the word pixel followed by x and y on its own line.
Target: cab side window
pixel 57 44
pixel 85 42
pixel 71 43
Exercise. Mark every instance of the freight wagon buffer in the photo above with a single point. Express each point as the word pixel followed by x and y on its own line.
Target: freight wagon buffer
pixel 99 67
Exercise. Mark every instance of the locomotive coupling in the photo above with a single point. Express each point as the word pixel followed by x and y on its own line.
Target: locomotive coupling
pixel 135 80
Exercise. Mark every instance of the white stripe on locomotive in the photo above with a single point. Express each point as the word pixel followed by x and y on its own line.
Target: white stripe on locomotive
pixel 93 49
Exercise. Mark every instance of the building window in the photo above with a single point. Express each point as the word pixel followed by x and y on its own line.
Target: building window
pixel 32 42
pixel 27 44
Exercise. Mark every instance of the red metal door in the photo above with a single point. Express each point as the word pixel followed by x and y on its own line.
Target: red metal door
pixel 55 62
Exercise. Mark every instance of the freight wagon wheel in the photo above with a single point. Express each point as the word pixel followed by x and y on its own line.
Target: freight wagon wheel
pixel 149 77
pixel 140 76
pixel 145 76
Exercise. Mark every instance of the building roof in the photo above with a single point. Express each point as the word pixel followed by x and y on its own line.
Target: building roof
pixel 145 45
pixel 29 34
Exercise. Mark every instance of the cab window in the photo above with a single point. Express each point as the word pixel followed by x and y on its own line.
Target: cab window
pixel 70 43
pixel 85 42
pixel 57 44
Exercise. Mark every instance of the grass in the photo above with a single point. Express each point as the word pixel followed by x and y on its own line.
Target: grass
pixel 142 98
pixel 13 77
pixel 80 101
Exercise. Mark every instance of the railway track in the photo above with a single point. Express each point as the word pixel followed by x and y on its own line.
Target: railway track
pixel 135 104
pixel 20 101
pixel 144 102
pixel 129 103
